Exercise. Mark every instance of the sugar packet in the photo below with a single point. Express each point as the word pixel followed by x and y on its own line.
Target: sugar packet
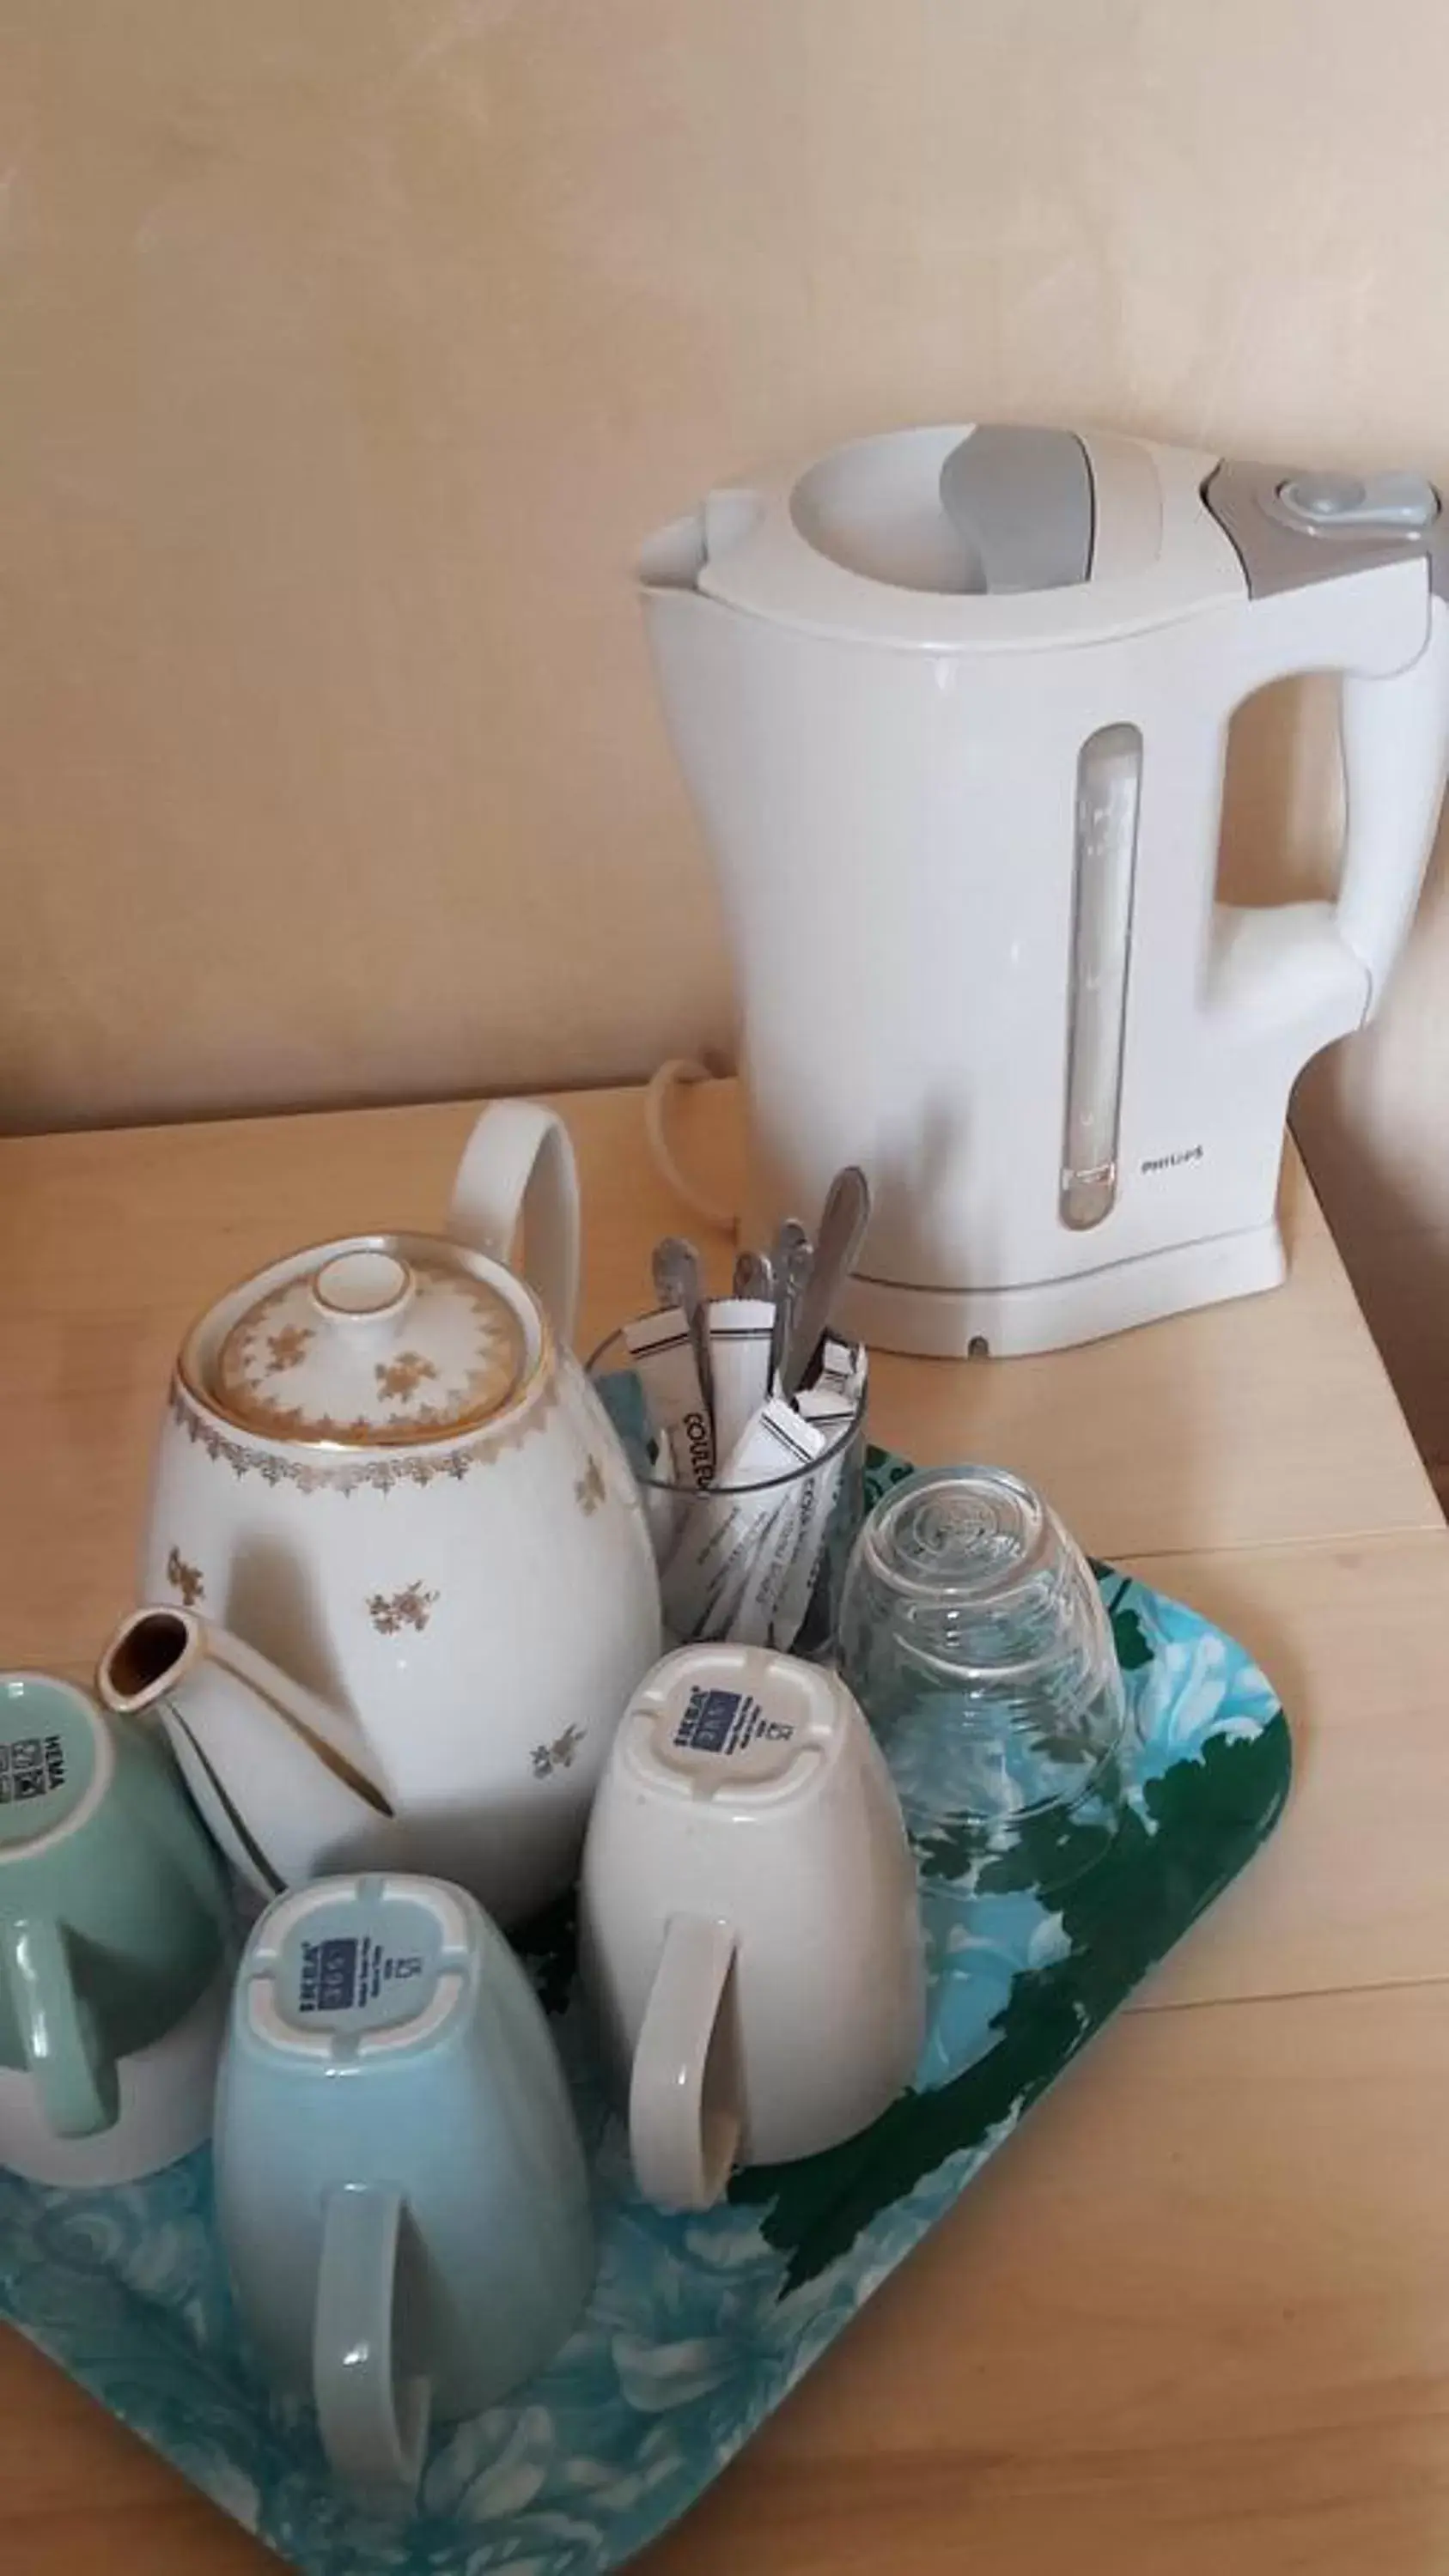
pixel 662 1350
pixel 707 1577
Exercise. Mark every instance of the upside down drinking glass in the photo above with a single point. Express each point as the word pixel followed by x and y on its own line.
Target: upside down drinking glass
pixel 974 1636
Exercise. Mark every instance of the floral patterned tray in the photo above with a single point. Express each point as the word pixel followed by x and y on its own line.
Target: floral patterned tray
pixel 699 2327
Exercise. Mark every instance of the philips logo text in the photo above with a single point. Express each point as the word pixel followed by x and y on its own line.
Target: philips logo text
pixel 1171 1162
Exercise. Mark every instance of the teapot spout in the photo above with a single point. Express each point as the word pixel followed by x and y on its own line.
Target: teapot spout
pixel 288 1787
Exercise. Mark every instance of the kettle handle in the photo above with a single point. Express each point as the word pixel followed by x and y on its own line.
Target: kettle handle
pixel 1395 735
pixel 519 1161
pixel 1320 968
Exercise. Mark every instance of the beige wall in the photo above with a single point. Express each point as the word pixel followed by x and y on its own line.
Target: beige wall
pixel 351 344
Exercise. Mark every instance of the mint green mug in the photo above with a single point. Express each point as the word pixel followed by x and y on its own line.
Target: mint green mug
pixel 114 1922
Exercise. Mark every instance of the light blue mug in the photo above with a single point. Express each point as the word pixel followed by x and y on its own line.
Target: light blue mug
pixel 401 2191
pixel 114 1927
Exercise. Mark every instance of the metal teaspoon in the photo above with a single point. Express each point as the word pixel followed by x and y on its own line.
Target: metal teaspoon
pixel 843 1221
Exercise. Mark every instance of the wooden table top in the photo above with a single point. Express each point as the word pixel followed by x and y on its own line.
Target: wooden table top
pixel 1196 2317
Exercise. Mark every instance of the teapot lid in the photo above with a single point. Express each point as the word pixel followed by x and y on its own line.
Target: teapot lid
pixel 373 1342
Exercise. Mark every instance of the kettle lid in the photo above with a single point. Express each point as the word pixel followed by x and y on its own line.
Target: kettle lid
pixel 961 536
pixel 372 1342
pixel 990 509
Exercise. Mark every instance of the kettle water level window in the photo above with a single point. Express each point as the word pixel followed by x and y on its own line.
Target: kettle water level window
pixel 1109 792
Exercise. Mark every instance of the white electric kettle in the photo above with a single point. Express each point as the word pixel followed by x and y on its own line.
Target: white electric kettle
pixel 953 704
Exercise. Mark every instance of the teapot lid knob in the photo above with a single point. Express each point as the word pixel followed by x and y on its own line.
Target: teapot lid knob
pixel 366 1284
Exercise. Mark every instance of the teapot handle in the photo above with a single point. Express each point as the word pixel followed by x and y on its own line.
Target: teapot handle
pixel 520 1160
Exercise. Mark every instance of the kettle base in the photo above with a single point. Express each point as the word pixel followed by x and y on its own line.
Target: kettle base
pixel 1054 1314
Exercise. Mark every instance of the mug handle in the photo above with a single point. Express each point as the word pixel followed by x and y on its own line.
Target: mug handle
pixel 374 2429
pixel 684 2114
pixel 520 1158
pixel 75 2079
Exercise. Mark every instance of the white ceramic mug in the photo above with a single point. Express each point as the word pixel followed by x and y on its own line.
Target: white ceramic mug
pixel 750 1933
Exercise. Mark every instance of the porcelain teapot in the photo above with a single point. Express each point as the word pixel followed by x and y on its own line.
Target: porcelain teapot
pixel 382 1470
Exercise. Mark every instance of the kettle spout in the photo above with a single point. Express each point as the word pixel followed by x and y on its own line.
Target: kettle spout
pixel 287 1786
pixel 674 557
